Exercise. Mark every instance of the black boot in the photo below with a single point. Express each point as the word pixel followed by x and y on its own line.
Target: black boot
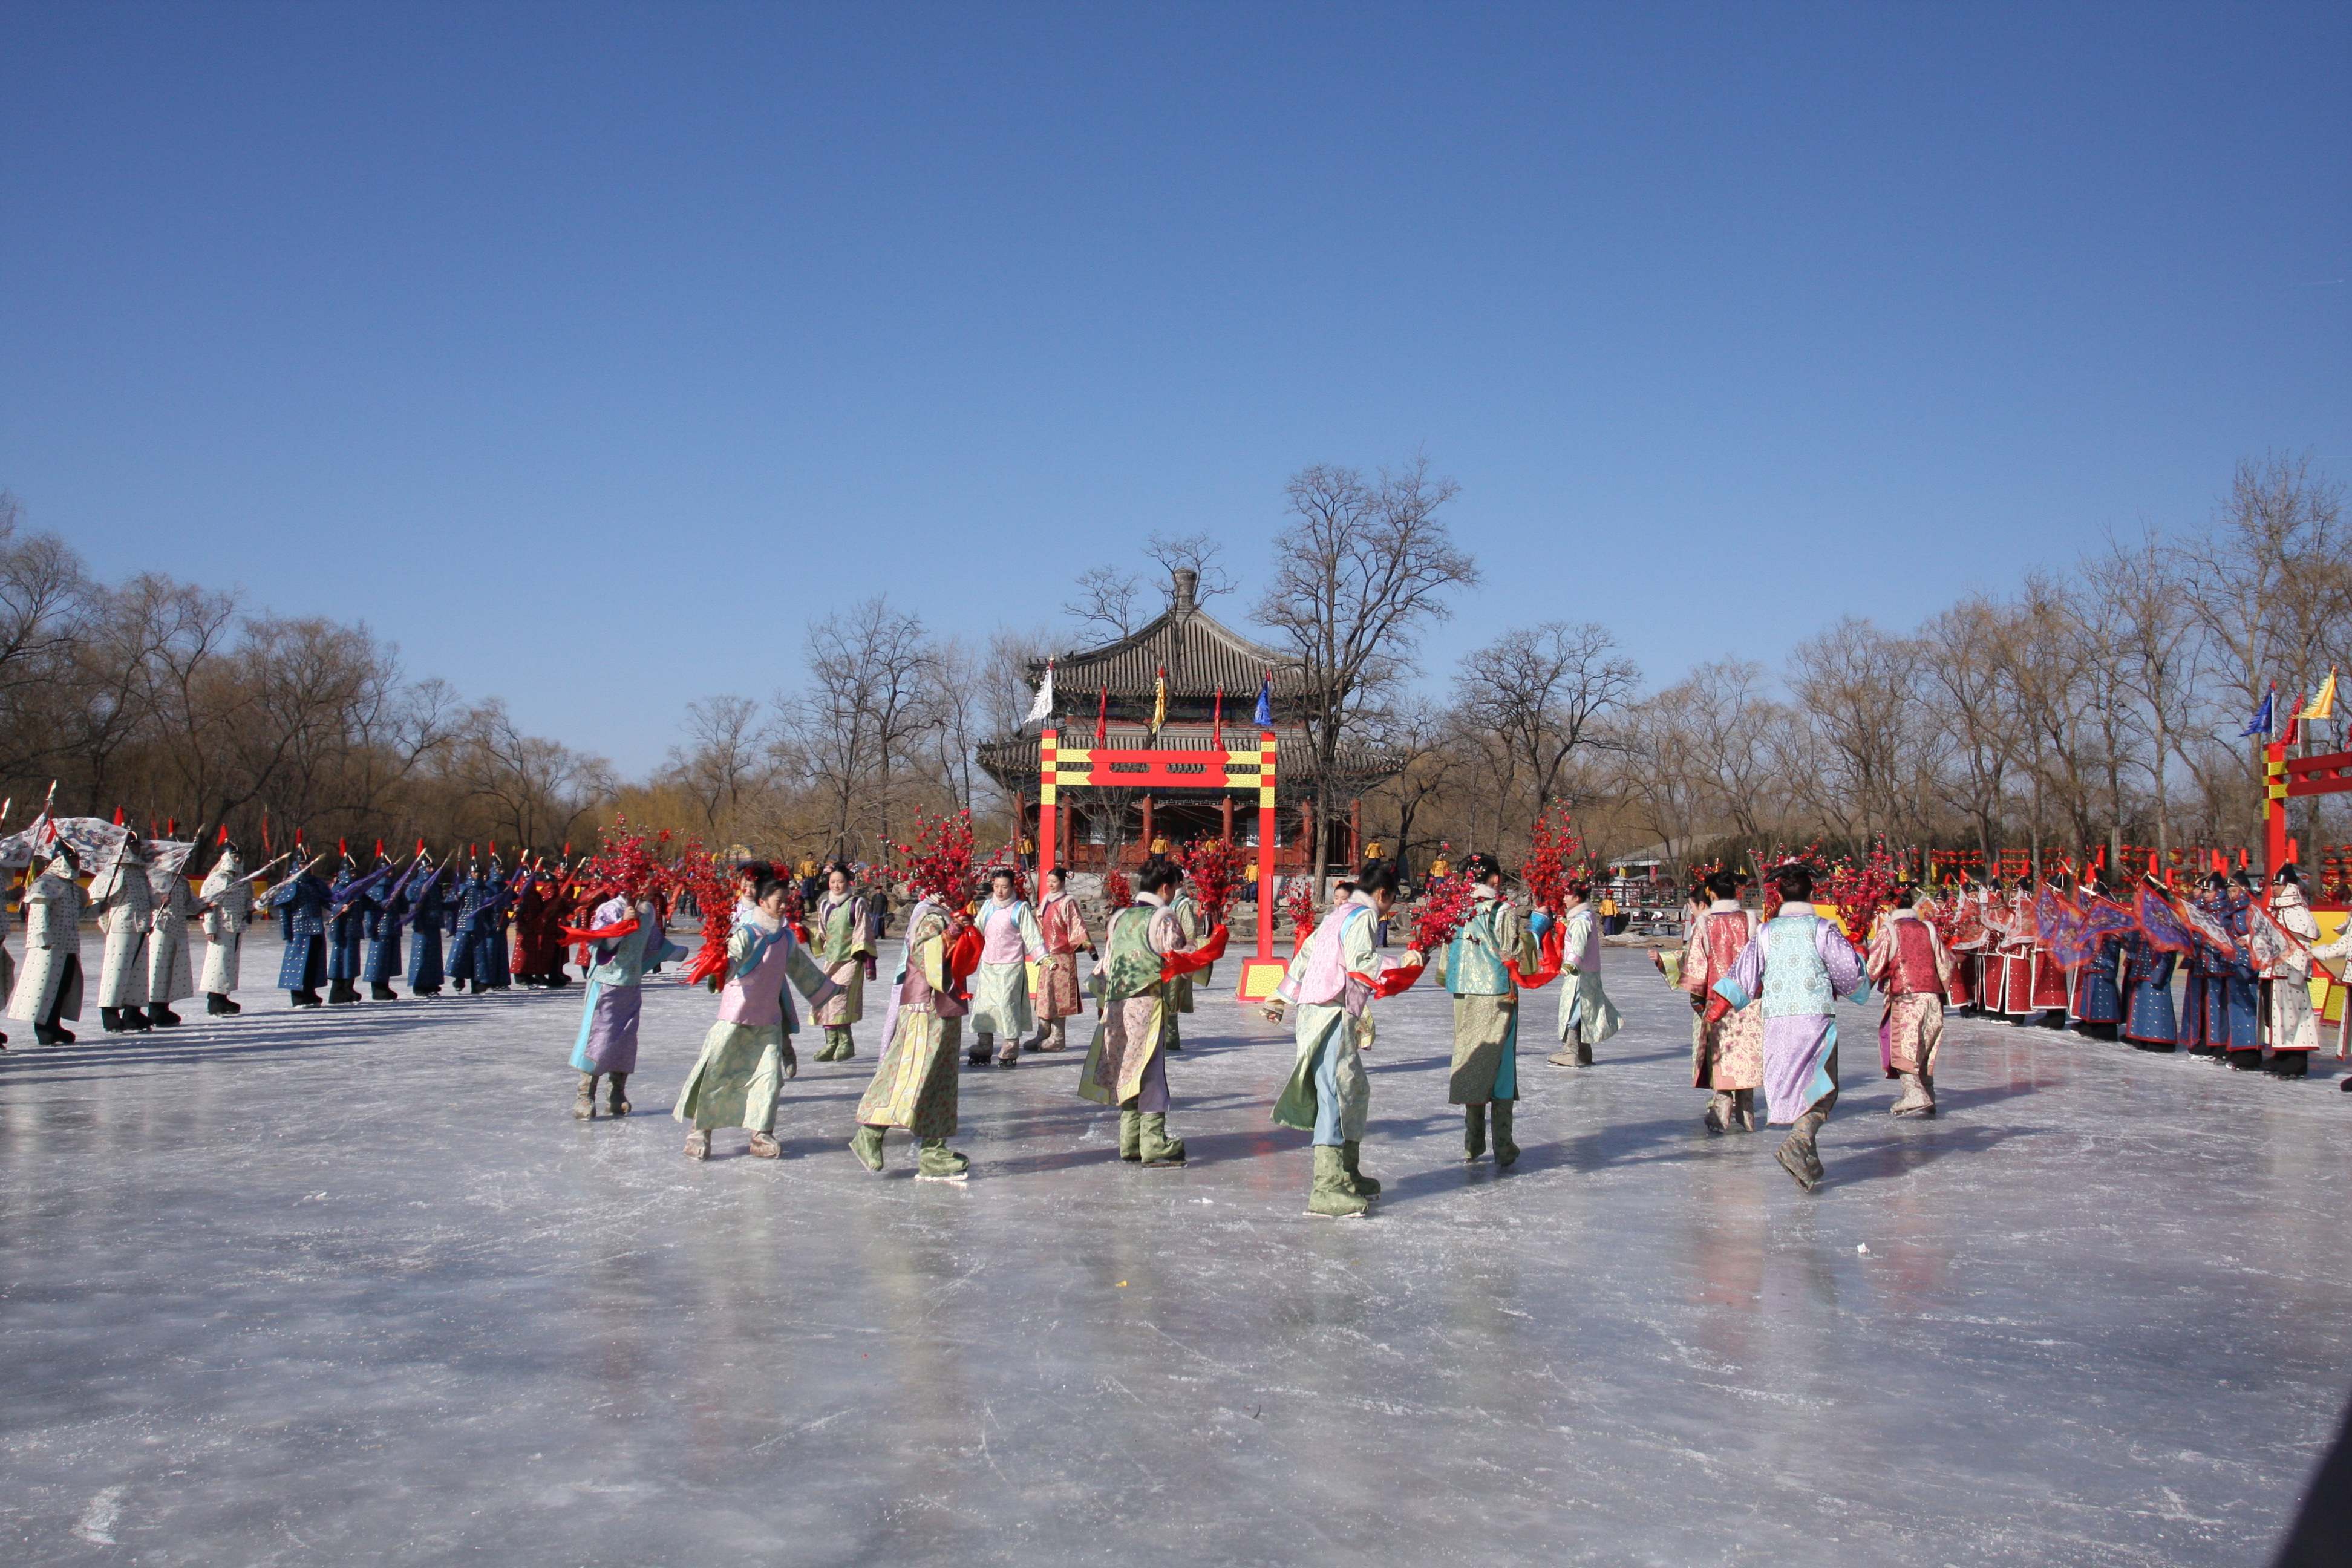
pixel 219 1005
pixel 2291 1064
pixel 110 1020
pixel 51 1035
pixel 305 998
pixel 618 1103
pixel 378 991
pixel 477 985
pixel 131 1020
pixel 2247 1061
pixel 161 1016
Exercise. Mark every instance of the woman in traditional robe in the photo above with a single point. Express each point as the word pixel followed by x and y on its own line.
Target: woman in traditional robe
pixel 1334 975
pixel 1908 962
pixel 1587 1017
pixel 1127 1064
pixel 915 1083
pixel 1797 965
pixel 1010 942
pixel 748 1053
pixel 1727 1052
pixel 626 940
pixel 1484 1079
pixel 845 940
pixel 1063 927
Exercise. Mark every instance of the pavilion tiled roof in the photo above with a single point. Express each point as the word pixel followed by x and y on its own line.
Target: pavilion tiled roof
pixel 1201 656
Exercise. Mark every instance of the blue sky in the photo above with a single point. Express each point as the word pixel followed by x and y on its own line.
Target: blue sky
pixel 588 352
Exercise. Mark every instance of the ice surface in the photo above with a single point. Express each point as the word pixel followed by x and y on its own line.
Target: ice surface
pixel 353 1287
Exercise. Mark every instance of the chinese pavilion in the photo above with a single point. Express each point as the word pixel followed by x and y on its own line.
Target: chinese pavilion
pixel 1212 675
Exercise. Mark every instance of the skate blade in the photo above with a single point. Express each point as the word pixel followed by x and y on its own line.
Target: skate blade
pixel 959 1176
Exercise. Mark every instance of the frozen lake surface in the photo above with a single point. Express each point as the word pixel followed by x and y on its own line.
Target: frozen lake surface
pixel 353 1287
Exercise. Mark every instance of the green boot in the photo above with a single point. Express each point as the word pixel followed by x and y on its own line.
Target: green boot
pixel 1130 1133
pixel 867 1147
pixel 1175 1032
pixel 1505 1150
pixel 1362 1185
pixel 938 1162
pixel 1331 1197
pixel 1159 1149
pixel 1473 1132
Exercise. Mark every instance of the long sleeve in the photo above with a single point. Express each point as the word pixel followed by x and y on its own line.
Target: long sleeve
pixel 1032 940
pixel 1745 982
pixel 1844 965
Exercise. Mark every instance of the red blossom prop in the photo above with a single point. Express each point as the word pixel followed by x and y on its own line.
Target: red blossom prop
pixel 697 874
pixel 623 865
pixel 1119 893
pixel 1860 892
pixel 1299 903
pixel 1444 905
pixel 1215 867
pixel 1555 858
pixel 939 863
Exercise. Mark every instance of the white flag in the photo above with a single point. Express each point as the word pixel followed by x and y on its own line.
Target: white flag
pixel 1043 708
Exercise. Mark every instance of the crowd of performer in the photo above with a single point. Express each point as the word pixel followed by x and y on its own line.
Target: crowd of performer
pixel 985 966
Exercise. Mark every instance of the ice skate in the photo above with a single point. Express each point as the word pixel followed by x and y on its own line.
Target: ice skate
pixel 698 1144
pixel 765 1148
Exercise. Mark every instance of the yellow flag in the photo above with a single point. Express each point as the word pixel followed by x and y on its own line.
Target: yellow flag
pixel 2324 705
pixel 1160 700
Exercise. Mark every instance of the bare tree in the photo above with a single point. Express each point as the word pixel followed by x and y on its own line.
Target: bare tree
pixel 870 702
pixel 1542 690
pixel 1110 601
pixel 1366 565
pixel 1202 553
pixel 729 756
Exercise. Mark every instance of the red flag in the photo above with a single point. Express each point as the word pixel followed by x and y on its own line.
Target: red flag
pixel 1102 716
pixel 118 816
pixel 223 840
pixel 379 848
pixel 343 848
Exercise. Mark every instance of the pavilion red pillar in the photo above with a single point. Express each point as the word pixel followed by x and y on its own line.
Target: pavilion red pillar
pixel 1147 826
pixel 1262 972
pixel 1047 794
pixel 1226 802
pixel 1355 834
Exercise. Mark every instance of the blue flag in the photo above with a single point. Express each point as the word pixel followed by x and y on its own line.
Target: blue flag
pixel 1264 717
pixel 2261 724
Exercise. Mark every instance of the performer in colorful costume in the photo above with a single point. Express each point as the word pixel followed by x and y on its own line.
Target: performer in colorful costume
pixel 626 942
pixel 914 1084
pixel 1063 927
pixel 1587 1017
pixel 1727 1050
pixel 1333 976
pixel 1127 1064
pixel 1797 964
pixel 125 903
pixel 472 962
pixel 2098 1003
pixel 48 988
pixel 748 1053
pixel 1010 942
pixel 2145 973
pixel 1909 962
pixel 846 942
pixel 1489 953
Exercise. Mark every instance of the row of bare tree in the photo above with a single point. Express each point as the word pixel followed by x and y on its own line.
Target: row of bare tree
pixel 2099 705
pixel 167 700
